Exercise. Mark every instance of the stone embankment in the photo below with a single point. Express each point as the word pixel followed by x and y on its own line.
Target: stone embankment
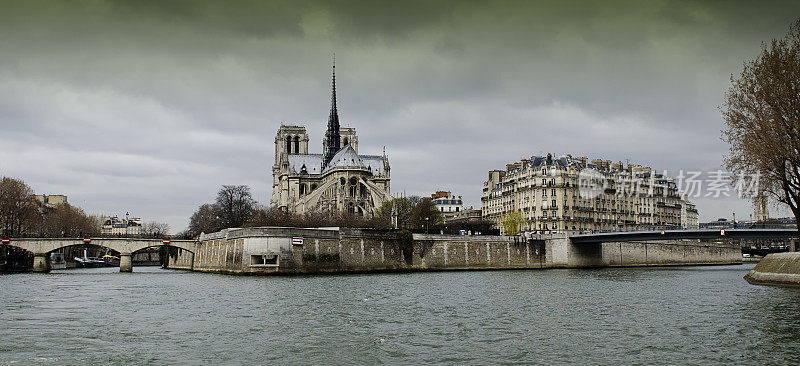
pixel 780 269
pixel 274 250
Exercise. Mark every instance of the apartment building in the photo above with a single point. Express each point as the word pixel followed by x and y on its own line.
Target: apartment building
pixel 574 195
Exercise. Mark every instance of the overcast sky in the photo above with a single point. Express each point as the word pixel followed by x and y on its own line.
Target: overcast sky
pixel 151 106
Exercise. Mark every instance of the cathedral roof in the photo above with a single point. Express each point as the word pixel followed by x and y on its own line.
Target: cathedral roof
pixel 312 163
pixel 346 157
pixel 374 163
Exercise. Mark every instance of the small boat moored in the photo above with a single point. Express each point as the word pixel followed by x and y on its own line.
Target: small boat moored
pixel 89 262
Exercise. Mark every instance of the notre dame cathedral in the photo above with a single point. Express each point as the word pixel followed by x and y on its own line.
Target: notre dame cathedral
pixel 339 179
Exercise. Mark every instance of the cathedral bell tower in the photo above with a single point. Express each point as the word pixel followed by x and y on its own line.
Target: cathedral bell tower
pixel 332 138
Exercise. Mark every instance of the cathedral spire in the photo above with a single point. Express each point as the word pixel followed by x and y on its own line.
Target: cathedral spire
pixel 332 135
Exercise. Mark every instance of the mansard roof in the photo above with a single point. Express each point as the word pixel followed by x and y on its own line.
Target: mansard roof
pixel 560 162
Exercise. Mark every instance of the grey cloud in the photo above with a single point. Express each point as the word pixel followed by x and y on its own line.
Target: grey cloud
pixel 151 106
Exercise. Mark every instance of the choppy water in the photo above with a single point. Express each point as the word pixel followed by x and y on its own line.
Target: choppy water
pixel 701 315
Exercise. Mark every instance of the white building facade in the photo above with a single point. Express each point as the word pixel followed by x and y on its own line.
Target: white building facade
pixel 116 226
pixel 546 191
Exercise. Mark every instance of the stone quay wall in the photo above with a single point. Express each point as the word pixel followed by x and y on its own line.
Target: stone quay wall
pixel 275 250
pixel 778 269
pixel 562 253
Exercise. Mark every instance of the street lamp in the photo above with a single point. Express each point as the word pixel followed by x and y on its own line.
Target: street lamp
pixel 426 224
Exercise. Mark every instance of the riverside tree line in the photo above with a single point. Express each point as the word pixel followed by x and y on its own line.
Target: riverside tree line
pixel 22 215
pixel 234 206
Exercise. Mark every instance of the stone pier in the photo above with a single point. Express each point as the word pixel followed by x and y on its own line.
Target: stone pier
pixel 125 262
pixel 41 262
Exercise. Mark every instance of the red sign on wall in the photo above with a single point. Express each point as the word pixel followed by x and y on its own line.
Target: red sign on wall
pixel 297 240
pixel 5 240
pixel 165 241
pixel 87 240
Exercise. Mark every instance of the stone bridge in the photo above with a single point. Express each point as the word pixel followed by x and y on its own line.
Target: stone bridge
pixel 620 236
pixel 41 247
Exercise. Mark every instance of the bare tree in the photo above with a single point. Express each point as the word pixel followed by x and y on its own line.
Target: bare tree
pixel 275 217
pixel 19 210
pixel 762 116
pixel 154 229
pixel 235 205
pixel 65 220
pixel 205 220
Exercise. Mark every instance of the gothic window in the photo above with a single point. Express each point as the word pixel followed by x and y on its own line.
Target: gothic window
pixel 288 144
pixel 351 208
pixel 342 181
pixel 313 187
pixel 353 187
pixel 302 189
pixel 345 142
pixel 297 144
pixel 363 190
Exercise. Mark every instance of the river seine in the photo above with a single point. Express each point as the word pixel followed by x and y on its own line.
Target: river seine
pixel 697 315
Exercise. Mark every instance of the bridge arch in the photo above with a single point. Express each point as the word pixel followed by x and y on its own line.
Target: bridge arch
pixel 41 247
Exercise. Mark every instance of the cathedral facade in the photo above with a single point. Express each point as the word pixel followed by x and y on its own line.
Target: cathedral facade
pixel 339 179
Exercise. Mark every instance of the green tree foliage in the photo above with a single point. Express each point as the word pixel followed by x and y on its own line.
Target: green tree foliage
pixel 403 206
pixel 426 216
pixel 762 117
pixel 512 222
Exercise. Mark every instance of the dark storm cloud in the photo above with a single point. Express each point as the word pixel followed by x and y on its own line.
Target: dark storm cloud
pixel 149 106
